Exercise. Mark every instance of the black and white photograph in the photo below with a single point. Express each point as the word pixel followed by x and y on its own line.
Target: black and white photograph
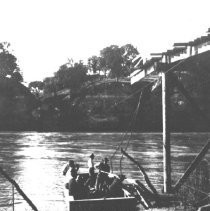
pixel 104 105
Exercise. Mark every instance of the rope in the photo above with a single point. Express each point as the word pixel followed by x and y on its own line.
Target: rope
pixel 131 124
pixel 133 119
pixel 118 147
pixel 121 143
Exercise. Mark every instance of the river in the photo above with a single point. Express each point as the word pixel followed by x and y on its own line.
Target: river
pixel 35 160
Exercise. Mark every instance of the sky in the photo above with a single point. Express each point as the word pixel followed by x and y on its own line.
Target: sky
pixel 44 34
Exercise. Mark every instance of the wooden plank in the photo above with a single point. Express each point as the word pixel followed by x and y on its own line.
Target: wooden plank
pixel 181 44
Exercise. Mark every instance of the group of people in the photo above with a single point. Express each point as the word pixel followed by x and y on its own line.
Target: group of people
pixel 96 185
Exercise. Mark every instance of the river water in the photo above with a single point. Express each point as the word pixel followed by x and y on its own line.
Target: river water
pixel 35 161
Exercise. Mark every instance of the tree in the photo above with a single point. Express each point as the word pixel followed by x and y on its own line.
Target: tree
pixel 129 53
pixel 112 56
pixel 118 60
pixel 96 64
pixel 8 63
pixel 62 77
pixel 36 87
pixel 93 64
pixel 78 75
pixel 50 86
pixel 71 77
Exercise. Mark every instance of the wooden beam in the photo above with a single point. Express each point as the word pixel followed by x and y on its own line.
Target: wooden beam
pixel 192 166
pixel 156 55
pixel 181 44
pixel 166 136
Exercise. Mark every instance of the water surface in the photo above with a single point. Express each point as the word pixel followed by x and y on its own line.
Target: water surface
pixel 35 160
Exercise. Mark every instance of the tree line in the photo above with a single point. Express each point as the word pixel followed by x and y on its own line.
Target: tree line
pixel 77 112
pixel 70 100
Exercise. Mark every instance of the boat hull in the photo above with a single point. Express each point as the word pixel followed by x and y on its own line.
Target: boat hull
pixel 104 204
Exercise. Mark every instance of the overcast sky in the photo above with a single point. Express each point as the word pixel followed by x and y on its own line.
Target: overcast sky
pixel 45 33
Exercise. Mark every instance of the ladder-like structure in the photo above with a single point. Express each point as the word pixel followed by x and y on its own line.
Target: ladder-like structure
pixel 149 70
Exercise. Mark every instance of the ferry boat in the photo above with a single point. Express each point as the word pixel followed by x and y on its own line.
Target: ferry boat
pixel 131 194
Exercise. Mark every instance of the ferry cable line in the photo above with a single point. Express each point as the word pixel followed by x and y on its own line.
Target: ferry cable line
pixel 121 143
pixel 134 116
pixel 131 124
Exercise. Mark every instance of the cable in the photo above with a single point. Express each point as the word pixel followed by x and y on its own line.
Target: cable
pixel 131 124
pixel 118 147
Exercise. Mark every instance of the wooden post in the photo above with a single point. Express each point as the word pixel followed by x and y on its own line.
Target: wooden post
pixel 190 51
pixel 166 136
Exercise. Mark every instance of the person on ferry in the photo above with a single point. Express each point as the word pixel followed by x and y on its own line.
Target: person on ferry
pixel 82 190
pixel 70 166
pixel 91 180
pixel 106 166
pixel 67 169
pixel 102 177
pixel 91 166
pixel 73 185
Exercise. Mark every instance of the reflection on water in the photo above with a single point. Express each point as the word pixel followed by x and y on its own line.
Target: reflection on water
pixel 35 160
